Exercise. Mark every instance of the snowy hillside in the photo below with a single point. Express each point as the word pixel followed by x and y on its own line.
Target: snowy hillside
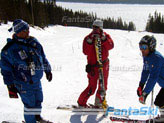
pixel 63 48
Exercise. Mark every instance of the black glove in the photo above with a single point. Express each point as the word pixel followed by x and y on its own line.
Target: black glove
pixel 49 76
pixel 88 68
pixel 143 97
pixel 12 91
pixel 140 89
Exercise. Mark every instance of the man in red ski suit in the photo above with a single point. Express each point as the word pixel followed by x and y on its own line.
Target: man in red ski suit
pixel 93 66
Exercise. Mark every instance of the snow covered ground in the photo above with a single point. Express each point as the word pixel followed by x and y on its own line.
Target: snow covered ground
pixel 136 13
pixel 63 47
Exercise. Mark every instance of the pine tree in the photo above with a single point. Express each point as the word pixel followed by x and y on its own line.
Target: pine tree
pixel 155 23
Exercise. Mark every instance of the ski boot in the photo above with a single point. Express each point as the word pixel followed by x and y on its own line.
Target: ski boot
pixel 39 119
pixel 83 105
pixel 160 119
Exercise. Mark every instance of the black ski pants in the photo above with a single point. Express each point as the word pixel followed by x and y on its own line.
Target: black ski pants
pixel 159 101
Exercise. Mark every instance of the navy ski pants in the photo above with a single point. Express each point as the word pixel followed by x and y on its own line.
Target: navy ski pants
pixel 32 97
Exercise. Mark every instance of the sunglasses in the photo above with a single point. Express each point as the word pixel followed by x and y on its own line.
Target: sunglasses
pixel 96 27
pixel 143 47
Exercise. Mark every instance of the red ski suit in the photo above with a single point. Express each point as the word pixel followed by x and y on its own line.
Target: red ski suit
pixel 93 76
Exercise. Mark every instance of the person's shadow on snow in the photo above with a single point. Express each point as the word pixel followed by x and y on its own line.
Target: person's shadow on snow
pixel 76 118
pixel 91 119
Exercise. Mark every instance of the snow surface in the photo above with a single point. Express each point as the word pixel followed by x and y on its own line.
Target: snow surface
pixel 63 48
pixel 136 13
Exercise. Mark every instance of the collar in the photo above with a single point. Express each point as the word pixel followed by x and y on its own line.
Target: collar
pixel 19 39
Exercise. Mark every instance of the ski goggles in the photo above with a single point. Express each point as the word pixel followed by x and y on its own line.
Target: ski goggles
pixel 143 47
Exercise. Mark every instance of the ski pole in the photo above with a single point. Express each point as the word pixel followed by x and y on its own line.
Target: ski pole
pixel 152 106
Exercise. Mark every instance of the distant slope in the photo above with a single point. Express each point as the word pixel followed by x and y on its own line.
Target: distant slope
pixel 118 1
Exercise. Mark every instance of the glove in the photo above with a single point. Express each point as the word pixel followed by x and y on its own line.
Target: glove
pixel 89 41
pixel 143 97
pixel 88 68
pixel 49 76
pixel 103 37
pixel 96 36
pixel 140 88
pixel 12 91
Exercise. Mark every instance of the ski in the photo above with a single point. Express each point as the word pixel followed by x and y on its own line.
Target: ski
pixel 75 108
pixel 21 122
pixel 98 50
pixel 89 111
pixel 8 122
pixel 128 120
pixel 12 122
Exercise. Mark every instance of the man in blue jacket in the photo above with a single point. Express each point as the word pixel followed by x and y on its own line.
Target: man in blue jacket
pixel 22 64
pixel 152 73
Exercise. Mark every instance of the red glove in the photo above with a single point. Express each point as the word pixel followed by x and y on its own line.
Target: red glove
pixel 12 91
pixel 143 97
pixel 140 88
pixel 139 91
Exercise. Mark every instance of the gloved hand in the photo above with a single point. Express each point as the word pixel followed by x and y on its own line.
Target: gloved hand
pixel 140 88
pixel 89 41
pixel 12 91
pixel 88 68
pixel 143 97
pixel 103 37
pixel 96 36
pixel 49 76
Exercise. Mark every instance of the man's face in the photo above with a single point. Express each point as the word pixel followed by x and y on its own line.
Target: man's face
pixel 23 34
pixel 96 29
pixel 144 50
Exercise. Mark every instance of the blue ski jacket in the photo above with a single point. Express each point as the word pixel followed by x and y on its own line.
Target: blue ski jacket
pixel 153 71
pixel 23 61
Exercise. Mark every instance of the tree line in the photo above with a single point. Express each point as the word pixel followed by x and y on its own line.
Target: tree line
pixel 155 23
pixel 45 12
pixel 119 1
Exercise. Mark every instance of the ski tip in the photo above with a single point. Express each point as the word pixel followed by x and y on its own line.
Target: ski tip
pixel 12 122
